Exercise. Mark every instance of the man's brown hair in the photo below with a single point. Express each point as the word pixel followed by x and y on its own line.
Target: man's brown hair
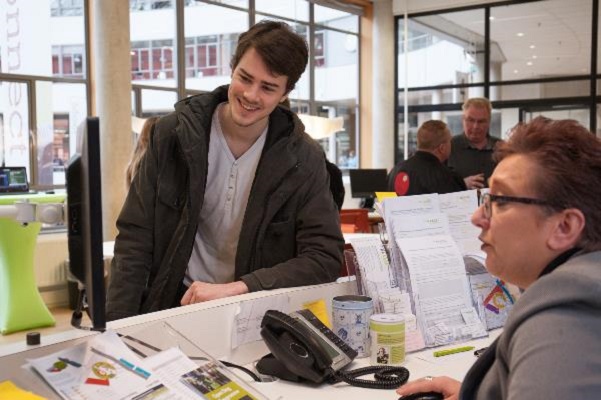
pixel 569 168
pixel 283 51
pixel 432 134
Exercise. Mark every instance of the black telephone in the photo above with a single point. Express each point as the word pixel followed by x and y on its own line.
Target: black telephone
pixel 304 349
pixel 303 346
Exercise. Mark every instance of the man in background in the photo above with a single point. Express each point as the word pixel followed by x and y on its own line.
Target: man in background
pixel 425 171
pixel 471 153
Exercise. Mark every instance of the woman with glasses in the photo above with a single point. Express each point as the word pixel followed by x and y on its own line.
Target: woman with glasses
pixel 541 230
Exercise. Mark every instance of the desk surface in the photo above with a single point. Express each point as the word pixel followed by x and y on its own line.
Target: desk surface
pixel 209 325
pixel 419 364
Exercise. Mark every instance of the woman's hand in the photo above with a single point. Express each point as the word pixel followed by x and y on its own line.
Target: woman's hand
pixel 440 384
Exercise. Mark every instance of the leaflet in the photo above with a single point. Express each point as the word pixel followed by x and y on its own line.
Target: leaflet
pixel 105 368
pixel 376 274
pixel 440 289
pixel 102 368
pixel 459 207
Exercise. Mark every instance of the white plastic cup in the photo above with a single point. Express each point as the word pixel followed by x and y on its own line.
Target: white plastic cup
pixel 387 333
pixel 350 317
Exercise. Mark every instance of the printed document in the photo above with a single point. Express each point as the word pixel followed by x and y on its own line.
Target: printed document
pixel 440 289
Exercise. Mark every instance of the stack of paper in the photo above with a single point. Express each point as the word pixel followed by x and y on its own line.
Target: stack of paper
pixel 428 234
pixel 105 368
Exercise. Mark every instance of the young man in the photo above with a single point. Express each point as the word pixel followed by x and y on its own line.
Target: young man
pixel 471 153
pixel 425 172
pixel 232 195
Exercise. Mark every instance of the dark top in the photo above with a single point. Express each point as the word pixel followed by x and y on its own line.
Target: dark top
pixel 467 160
pixel 423 173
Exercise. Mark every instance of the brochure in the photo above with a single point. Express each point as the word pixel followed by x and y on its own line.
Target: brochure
pixel 105 368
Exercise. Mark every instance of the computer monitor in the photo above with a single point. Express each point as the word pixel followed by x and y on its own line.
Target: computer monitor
pixel 366 182
pixel 85 227
pixel 13 180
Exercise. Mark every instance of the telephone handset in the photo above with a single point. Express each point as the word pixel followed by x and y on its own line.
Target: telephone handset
pixel 302 345
pixel 303 348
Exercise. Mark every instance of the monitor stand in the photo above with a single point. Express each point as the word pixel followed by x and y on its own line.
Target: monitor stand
pixel 367 202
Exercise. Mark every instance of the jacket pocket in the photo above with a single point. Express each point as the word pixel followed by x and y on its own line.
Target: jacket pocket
pixel 170 197
pixel 279 244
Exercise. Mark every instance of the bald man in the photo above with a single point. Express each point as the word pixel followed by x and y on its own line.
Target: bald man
pixel 425 171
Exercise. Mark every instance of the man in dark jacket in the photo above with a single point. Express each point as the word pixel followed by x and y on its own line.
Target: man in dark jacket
pixel 232 195
pixel 425 172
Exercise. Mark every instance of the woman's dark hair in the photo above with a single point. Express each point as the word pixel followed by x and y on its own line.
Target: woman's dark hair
pixel 283 51
pixel 569 168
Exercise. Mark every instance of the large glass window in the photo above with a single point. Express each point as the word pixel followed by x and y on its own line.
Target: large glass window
pixel 296 10
pixel 14 134
pixel 43 42
pixel 541 39
pixel 211 35
pixel 453 41
pixel 61 109
pixel 211 31
pixel 538 55
pixel 153 59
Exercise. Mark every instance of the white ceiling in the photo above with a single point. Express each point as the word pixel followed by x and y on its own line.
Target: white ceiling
pixel 555 35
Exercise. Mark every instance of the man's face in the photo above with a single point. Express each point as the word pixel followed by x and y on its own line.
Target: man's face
pixel 476 122
pixel 254 91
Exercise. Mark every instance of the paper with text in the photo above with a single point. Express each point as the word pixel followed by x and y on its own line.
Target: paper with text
pixel 440 288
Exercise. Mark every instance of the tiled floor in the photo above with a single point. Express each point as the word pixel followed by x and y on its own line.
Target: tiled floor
pixel 63 323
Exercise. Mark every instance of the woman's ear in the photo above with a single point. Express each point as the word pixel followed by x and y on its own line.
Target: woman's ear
pixel 568 229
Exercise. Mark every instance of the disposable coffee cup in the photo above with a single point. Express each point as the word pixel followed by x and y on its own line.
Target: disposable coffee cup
pixel 350 315
pixel 387 333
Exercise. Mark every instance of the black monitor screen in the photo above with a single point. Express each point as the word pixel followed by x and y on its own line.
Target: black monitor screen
pixel 85 222
pixel 13 180
pixel 366 182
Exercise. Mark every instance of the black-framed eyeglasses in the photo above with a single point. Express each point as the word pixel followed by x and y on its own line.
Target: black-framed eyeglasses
pixel 487 199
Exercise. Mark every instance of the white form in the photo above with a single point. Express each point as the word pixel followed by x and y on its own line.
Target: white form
pixel 440 289
pixel 247 327
pixel 376 275
pixel 459 207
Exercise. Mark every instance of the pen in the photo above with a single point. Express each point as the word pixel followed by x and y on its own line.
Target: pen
pixel 124 363
pixel 447 352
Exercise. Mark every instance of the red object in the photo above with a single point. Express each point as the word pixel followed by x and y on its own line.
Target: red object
pixel 355 221
pixel 96 381
pixel 401 184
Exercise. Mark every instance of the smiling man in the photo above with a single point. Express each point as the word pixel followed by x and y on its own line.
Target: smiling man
pixel 232 196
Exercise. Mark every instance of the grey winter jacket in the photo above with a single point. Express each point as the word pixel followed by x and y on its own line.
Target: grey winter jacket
pixel 290 235
pixel 549 348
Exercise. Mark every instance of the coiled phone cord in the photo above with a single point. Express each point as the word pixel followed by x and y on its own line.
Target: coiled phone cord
pixel 385 377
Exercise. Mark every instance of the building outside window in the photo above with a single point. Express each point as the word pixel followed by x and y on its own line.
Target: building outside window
pixel 49 83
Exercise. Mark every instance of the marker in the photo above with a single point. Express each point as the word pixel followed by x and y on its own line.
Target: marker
pixel 447 352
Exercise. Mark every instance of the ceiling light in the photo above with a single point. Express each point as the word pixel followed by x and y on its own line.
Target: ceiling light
pixel 515 71
pixel 534 56
pixel 491 18
pixel 529 63
pixel 520 34
pixel 532 46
